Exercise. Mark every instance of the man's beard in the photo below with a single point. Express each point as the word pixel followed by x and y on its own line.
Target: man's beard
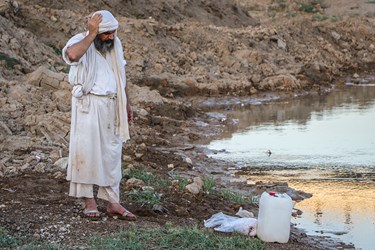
pixel 103 46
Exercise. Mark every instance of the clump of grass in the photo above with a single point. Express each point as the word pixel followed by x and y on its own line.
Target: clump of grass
pixel 235 197
pixel 336 18
pixel 11 242
pixel 9 61
pixel 143 197
pixel 308 7
pixel 208 184
pixel 149 178
pixel 292 14
pixel 320 17
pixel 182 182
pixel 272 14
pixel 170 237
pixel 7 241
pixel 321 3
pixel 57 50
pixel 282 4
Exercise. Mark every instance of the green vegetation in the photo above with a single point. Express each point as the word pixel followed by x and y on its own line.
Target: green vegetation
pixel 149 178
pixel 10 242
pixel 143 197
pixel 322 3
pixel 308 7
pixel 208 184
pixel 272 14
pixel 336 18
pixel 235 197
pixel 282 5
pixel 312 6
pixel 182 182
pixel 372 1
pixel 57 50
pixel 170 237
pixel 9 61
pixel 320 17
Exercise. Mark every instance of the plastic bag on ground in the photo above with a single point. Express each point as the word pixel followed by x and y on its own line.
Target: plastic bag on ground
pixel 228 224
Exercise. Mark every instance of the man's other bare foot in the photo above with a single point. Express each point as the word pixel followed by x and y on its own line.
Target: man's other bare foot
pixel 116 210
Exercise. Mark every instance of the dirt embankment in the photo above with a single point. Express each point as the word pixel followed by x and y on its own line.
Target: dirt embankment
pixel 176 51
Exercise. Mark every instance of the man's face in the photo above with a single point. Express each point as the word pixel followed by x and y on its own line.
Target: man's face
pixel 104 42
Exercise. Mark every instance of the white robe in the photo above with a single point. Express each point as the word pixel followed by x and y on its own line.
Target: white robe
pixel 95 149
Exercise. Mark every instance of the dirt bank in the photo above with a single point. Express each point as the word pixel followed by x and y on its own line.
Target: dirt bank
pixel 179 54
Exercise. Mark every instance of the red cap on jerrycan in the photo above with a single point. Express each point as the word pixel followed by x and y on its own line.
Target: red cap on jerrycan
pixel 272 193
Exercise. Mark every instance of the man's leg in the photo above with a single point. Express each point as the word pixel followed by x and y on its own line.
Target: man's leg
pixel 114 208
pixel 85 191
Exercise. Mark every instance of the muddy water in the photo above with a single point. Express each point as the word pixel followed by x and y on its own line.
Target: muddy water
pixel 324 145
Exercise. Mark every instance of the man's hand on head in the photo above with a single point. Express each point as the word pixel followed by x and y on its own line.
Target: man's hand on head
pixel 93 23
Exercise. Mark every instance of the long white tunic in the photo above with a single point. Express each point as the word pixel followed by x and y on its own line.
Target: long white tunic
pixel 94 149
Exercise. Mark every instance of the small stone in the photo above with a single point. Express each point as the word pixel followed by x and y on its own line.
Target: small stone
pixel 143 112
pixel 134 183
pixel 36 236
pixel 138 155
pixel 193 188
pixel 62 163
pixel 171 165
pixel 281 44
pixel 188 160
pixel 355 75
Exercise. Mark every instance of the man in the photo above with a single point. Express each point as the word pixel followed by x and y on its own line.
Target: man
pixel 100 114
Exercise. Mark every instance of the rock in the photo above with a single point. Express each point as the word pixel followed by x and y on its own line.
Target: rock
pixel 62 98
pixel 143 112
pixel 10 171
pixel 281 82
pixel 171 165
pixel 62 163
pixel 188 160
pixel 198 180
pixel 149 29
pixel 281 44
pixel 244 213
pixel 335 36
pixel 134 183
pixel 4 6
pixel 126 172
pixel 40 167
pixel 126 158
pixel 193 188
pixel 355 75
pixel 138 155
pixel 44 77
pixel 196 187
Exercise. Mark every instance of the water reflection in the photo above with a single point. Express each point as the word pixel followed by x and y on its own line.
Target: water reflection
pixel 322 145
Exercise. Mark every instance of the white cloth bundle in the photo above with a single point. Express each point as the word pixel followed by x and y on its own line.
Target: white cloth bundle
pixel 226 223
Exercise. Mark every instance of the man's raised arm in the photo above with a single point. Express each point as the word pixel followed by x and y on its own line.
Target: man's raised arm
pixel 77 50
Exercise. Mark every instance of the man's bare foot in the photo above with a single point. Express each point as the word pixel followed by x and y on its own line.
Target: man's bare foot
pixel 90 209
pixel 115 209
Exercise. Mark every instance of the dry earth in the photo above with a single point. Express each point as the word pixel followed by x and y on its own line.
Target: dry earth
pixel 180 54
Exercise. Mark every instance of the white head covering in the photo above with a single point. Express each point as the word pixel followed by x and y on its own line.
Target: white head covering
pixel 108 23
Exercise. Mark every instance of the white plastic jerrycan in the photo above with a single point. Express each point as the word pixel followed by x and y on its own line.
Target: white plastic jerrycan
pixel 275 213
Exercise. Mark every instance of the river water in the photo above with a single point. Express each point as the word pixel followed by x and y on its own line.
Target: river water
pixel 324 145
